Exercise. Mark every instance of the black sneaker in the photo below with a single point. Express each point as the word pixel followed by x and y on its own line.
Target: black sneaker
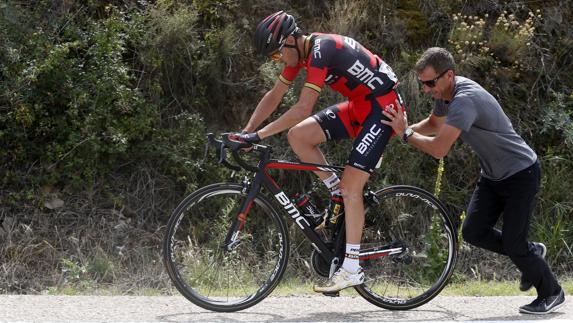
pixel 544 305
pixel 541 250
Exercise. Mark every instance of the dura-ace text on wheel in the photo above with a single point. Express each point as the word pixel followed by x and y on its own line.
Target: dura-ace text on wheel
pixel 212 273
pixel 418 233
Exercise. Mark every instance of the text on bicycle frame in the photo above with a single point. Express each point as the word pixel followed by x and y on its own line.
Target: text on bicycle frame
pixel 291 209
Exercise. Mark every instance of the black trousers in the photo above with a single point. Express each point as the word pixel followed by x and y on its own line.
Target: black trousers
pixel 514 197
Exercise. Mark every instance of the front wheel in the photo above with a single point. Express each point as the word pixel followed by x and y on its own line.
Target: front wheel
pixel 408 249
pixel 218 277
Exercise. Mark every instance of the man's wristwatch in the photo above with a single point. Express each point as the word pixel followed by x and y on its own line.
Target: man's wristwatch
pixel 407 133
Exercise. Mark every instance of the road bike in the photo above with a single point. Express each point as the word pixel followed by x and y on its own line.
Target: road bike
pixel 227 246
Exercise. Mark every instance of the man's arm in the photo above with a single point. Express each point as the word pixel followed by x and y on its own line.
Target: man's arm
pixel 268 104
pixel 429 126
pixel 298 112
pixel 437 146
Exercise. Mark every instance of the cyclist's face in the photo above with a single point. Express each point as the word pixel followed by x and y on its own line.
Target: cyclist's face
pixel 287 55
pixel 436 84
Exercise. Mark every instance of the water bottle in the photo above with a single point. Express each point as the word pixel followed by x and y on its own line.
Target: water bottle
pixel 308 208
pixel 335 209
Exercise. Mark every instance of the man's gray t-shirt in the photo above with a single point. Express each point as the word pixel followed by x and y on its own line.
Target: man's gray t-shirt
pixel 486 128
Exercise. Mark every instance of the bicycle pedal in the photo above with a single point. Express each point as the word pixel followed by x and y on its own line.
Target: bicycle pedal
pixel 331 294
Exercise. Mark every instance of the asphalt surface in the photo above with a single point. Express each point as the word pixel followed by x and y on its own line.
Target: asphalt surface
pixel 27 308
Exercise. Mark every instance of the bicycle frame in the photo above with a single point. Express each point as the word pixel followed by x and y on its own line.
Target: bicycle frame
pixel 263 178
pixel 405 223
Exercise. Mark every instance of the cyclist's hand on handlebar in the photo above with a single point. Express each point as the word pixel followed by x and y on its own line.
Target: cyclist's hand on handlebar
pixel 245 137
pixel 251 138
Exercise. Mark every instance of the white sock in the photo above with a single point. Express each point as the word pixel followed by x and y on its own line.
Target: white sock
pixel 332 184
pixel 335 192
pixel 351 263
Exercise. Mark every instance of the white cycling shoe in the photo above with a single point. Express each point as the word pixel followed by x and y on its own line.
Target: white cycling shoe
pixel 340 280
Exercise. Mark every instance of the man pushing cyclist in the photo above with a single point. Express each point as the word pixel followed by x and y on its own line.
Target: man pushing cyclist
pixel 510 170
pixel 370 86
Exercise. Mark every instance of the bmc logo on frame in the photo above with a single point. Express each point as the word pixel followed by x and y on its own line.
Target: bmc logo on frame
pixel 291 209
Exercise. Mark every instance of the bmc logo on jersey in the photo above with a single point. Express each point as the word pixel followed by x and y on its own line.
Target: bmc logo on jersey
pixel 350 42
pixel 316 50
pixel 368 139
pixel 365 75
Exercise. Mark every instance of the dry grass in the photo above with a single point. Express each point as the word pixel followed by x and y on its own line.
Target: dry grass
pixel 99 238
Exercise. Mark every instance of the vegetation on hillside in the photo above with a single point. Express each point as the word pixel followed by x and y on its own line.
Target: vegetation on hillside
pixel 104 106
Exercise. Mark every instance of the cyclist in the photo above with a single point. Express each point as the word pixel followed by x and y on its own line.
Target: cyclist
pixel 370 86
pixel 510 171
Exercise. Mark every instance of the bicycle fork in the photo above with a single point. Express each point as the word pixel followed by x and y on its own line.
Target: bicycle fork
pixel 232 237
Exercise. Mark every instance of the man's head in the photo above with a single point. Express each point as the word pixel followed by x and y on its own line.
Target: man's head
pixel 436 72
pixel 276 38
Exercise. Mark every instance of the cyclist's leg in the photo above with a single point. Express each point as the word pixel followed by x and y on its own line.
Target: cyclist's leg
pixel 305 137
pixel 367 150
pixel 351 187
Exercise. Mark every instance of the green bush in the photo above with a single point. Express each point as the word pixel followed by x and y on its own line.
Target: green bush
pixel 72 104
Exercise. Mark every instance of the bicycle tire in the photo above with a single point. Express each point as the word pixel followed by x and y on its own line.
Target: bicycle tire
pixel 199 267
pixel 412 218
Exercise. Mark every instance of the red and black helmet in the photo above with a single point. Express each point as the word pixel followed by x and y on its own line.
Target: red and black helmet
pixel 272 32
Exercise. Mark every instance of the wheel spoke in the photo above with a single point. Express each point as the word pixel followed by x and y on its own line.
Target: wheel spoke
pixel 409 218
pixel 219 279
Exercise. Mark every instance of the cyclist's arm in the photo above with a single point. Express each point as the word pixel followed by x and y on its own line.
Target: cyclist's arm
pixel 429 126
pixel 437 146
pixel 298 112
pixel 268 104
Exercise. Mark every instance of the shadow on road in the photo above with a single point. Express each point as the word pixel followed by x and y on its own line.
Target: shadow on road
pixel 208 316
pixel 319 315
pixel 525 317
pixel 316 316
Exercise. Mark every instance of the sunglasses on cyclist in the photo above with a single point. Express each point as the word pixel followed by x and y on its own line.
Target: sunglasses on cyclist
pixel 432 83
pixel 276 56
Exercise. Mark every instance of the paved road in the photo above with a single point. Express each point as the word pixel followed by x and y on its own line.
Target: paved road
pixel 21 308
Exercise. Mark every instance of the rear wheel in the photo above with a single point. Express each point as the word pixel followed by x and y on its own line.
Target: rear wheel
pixel 408 249
pixel 213 276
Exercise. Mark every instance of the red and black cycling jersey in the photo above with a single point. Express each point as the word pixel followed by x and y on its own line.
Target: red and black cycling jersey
pixel 343 64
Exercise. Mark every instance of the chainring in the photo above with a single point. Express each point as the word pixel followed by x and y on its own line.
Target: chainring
pixel 319 265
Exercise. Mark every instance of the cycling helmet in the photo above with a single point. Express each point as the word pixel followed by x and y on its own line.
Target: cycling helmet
pixel 272 32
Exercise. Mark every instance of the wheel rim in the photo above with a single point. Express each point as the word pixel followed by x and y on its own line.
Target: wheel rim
pixel 413 223
pixel 209 274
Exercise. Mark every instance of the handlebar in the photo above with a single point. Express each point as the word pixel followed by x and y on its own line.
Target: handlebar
pixel 234 146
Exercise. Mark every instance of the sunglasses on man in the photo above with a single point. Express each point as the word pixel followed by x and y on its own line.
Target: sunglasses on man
pixel 432 83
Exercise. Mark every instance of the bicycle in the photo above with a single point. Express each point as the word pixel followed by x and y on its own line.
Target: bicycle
pixel 226 246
